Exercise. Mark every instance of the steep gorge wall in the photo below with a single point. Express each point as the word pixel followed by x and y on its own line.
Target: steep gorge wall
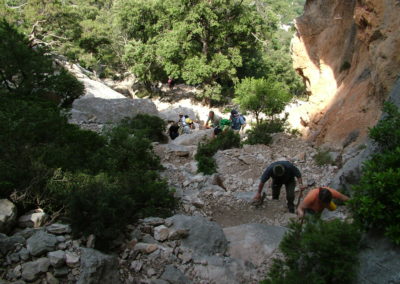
pixel 348 53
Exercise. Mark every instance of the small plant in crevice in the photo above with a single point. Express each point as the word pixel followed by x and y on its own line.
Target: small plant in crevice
pixel 206 150
pixel 345 66
pixel 317 252
pixel 323 157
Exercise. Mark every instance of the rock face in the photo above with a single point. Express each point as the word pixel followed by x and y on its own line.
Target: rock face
pixel 100 110
pixel 101 104
pixel 254 242
pixel 347 54
pixel 8 215
pixel 193 138
pixel 379 262
pixel 205 237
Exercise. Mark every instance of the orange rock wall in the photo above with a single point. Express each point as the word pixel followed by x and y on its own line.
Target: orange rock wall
pixel 348 53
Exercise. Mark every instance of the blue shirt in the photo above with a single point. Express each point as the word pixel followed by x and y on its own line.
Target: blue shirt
pixel 237 122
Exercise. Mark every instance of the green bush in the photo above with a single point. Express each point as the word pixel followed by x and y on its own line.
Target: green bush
pixel 323 157
pixel 206 150
pixel 146 126
pixel 261 133
pixel 101 183
pixel 319 253
pixel 376 198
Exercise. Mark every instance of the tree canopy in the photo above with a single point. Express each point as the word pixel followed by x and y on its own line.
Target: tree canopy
pixel 209 43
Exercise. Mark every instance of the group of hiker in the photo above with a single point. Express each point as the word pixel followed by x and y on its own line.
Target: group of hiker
pixel 281 172
pixel 236 122
pixel 285 173
pixel 185 124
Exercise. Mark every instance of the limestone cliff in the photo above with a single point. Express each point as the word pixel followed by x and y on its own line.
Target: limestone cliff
pixel 348 53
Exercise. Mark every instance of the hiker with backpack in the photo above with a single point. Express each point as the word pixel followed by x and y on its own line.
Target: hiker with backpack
pixel 282 173
pixel 318 199
pixel 237 121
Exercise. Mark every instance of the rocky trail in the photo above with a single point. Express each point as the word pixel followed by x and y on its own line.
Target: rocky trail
pixel 216 234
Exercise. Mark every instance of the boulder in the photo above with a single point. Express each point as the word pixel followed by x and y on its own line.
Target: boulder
pixel 57 258
pixel 98 268
pixel 40 243
pixel 32 269
pixel 8 244
pixel 193 138
pixel 161 233
pixel 59 229
pixel 205 237
pixel 379 261
pixel 225 271
pixel 173 114
pixel 32 219
pixel 177 150
pixel 253 242
pixel 173 275
pixel 8 215
pixel 71 259
pixel 99 110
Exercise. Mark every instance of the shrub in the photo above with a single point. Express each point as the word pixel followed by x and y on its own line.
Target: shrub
pixel 205 151
pixel 146 126
pixel 261 133
pixel 321 252
pixel 376 198
pixel 323 157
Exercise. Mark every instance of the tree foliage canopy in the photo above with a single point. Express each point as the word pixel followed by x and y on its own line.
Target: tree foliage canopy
pixel 261 96
pixel 209 43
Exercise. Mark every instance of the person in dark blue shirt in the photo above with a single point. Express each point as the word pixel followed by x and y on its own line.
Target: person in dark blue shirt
pixel 282 173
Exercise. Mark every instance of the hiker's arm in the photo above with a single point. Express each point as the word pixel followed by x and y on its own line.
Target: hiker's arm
pixel 300 210
pixel 337 195
pixel 260 188
pixel 300 181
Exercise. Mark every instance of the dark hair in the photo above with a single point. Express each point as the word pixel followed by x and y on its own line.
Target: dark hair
pixel 278 170
pixel 233 112
pixel 325 195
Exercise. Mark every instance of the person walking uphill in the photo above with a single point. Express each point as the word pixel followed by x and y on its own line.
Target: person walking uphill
pixel 237 121
pixel 282 173
pixel 318 199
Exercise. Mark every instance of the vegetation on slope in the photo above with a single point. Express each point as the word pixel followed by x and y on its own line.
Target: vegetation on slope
pixel 376 200
pixel 101 183
pixel 209 43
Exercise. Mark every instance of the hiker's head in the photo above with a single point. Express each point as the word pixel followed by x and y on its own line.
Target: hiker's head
pixel 234 112
pixel 211 114
pixel 325 195
pixel 278 170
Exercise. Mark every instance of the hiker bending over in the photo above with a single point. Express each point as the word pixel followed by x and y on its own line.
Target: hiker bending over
pixel 281 172
pixel 318 199
pixel 212 120
pixel 224 125
pixel 173 130
pixel 237 121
